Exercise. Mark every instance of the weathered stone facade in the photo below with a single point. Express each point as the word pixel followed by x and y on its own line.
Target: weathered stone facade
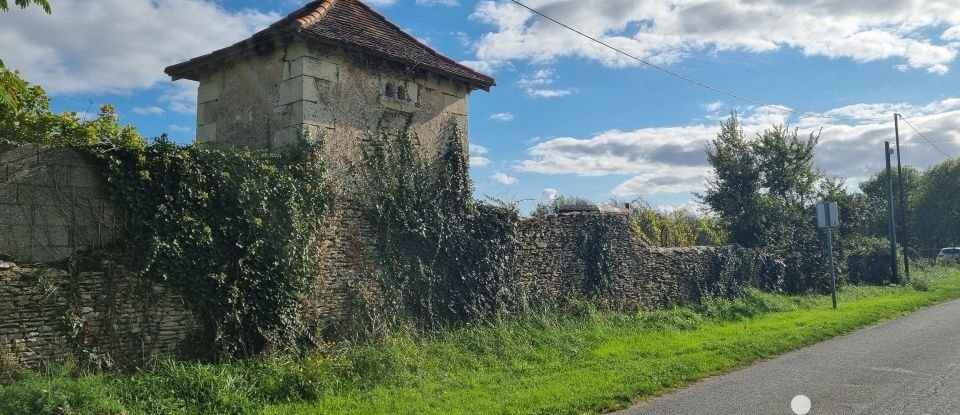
pixel 323 92
pixel 104 316
pixel 52 204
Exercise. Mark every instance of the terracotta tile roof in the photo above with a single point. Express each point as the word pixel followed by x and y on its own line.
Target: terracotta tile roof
pixel 349 23
pixel 316 14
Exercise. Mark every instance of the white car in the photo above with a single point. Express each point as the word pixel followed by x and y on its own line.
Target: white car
pixel 949 253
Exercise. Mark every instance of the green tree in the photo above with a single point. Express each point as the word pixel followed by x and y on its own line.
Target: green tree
pixel 875 193
pixel 44 4
pixel 11 85
pixel 764 191
pixel 733 192
pixel 936 216
pixel 29 120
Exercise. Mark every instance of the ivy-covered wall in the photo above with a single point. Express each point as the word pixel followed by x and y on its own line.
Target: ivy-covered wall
pixel 96 314
pixel 597 257
pixel 259 250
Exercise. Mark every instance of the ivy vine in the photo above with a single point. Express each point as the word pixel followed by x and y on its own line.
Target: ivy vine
pixel 596 255
pixel 235 230
pixel 446 255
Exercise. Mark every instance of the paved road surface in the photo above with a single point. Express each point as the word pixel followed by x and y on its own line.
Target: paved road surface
pixel 910 365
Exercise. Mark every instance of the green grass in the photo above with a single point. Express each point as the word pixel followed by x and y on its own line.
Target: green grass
pixel 589 363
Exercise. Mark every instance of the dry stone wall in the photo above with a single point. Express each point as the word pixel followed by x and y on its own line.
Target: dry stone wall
pixel 103 316
pixel 347 290
pixel 52 204
pixel 554 265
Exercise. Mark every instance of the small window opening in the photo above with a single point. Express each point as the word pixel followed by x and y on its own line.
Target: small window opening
pixel 390 90
pixel 401 93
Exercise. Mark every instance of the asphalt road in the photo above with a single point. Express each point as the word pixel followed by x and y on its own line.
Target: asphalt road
pixel 910 365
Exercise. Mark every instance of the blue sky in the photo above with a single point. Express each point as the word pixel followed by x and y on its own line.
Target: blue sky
pixel 567 116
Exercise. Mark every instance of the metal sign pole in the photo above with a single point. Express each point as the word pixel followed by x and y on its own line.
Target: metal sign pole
pixel 828 218
pixel 833 275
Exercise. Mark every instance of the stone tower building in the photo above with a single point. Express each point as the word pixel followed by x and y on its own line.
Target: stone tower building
pixel 331 69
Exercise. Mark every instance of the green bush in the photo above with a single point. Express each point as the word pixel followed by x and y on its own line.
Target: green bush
pixel 919 283
pixel 55 393
pixel 868 262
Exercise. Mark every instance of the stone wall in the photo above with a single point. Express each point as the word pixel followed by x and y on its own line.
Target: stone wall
pixel 347 283
pixel 52 204
pixel 103 316
pixel 552 265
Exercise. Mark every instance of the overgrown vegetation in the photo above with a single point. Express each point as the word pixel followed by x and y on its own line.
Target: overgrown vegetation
pixel 536 363
pixel 934 219
pixel 234 230
pixel 678 228
pixel 596 256
pixel 764 190
pixel 25 117
pixel 444 257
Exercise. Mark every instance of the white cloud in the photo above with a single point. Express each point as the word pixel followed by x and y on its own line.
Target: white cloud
pixel 148 110
pixel 688 206
pixel 462 37
pixel 668 32
pixel 649 182
pixel 550 93
pixel 672 159
pixel 179 96
pixel 438 2
pixel 381 3
pixel 477 149
pixel 488 66
pixel 179 128
pixel 535 84
pixel 537 78
pixel 117 45
pixel 502 116
pixel 503 178
pixel 549 193
pixel 713 106
pixel 478 161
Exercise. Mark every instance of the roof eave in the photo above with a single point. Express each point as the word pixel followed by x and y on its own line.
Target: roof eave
pixel 189 68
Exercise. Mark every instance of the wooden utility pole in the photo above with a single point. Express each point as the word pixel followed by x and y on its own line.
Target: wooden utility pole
pixel 893 227
pixel 903 203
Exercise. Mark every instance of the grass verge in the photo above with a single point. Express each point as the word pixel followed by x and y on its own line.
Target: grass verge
pixel 589 363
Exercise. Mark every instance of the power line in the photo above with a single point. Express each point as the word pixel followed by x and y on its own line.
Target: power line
pixel 924 137
pixel 708 86
pixel 678 75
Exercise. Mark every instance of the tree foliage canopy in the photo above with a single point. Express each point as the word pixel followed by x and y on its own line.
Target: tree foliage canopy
pixel 763 190
pixel 26 117
pixel 23 4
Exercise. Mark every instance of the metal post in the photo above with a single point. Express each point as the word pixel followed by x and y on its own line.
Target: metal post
pixel 893 227
pixel 903 204
pixel 833 275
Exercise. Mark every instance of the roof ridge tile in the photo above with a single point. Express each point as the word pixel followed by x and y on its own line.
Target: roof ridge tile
pixel 315 14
